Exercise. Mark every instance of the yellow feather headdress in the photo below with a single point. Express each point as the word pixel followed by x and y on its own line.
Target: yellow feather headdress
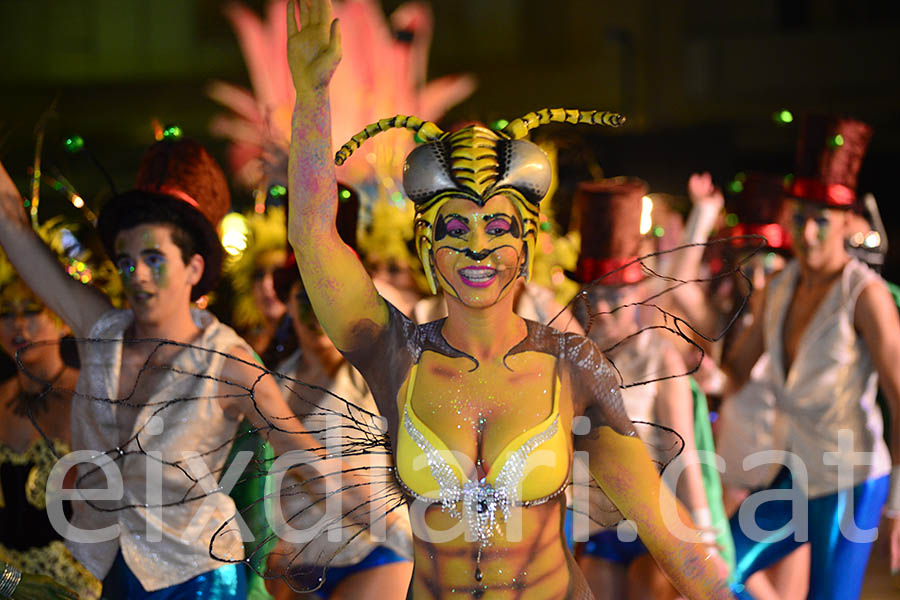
pixel 265 233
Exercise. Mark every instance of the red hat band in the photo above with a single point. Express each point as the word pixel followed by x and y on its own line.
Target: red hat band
pixel 609 271
pixel 813 190
pixel 610 213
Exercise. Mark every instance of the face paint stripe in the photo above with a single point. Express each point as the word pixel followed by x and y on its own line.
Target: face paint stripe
pixel 514 229
pixel 453 290
pixel 488 251
pixel 479 256
pixel 440 230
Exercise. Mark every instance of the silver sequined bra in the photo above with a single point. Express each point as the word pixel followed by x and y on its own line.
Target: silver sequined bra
pixel 481 500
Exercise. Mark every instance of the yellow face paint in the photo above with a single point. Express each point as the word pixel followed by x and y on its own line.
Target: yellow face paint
pixel 478 251
pixel 476 163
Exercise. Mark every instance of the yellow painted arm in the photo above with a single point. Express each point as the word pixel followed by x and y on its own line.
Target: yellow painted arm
pixel 341 292
pixel 622 467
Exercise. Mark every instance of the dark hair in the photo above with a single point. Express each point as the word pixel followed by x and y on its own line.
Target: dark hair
pixel 154 214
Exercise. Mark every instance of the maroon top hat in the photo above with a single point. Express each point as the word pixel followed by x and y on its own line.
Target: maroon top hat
pixel 758 208
pixel 178 182
pixel 830 152
pixel 610 213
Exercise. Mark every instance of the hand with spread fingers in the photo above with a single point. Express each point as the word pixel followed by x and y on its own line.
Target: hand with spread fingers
pixel 314 50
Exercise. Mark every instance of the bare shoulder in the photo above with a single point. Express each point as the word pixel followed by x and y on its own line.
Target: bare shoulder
pixel 243 383
pixel 665 344
pixel 876 310
pixel 241 367
pixel 675 369
pixel 595 383
pixel 875 294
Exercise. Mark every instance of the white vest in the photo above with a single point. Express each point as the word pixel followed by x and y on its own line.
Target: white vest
pixel 197 425
pixel 832 383
pixel 749 423
pixel 331 421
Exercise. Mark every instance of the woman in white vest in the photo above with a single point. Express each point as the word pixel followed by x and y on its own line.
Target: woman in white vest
pixel 831 331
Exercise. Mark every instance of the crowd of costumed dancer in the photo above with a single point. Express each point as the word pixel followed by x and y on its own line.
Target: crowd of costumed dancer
pixel 418 385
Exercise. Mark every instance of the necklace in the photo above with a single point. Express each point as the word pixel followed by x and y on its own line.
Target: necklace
pixel 28 404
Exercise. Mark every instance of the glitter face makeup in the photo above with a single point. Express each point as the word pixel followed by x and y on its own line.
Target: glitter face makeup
pixel 478 251
pixel 821 222
pixel 150 265
pixel 154 260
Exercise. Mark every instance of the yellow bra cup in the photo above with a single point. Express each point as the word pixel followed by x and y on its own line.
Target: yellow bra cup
pixel 546 466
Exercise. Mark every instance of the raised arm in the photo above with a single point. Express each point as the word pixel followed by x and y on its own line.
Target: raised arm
pixel 341 292
pixel 77 304
pixel 622 467
pixel 691 301
pixel 706 204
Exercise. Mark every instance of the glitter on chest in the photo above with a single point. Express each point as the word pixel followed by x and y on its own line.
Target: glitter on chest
pixel 480 500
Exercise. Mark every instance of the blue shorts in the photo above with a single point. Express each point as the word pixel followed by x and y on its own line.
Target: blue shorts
pixel 608 546
pixel 569 530
pixel 228 582
pixel 381 555
pixel 837 563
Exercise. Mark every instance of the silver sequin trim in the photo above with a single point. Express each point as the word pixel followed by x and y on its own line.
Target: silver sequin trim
pixel 480 500
pixel 443 474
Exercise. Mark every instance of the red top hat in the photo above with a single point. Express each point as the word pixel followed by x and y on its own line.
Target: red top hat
pixel 610 213
pixel 830 151
pixel 178 182
pixel 758 208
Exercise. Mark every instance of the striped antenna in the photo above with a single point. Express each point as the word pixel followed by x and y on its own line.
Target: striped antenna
pixel 426 130
pixel 519 128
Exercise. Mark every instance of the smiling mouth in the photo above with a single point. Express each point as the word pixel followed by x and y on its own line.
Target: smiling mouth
pixel 477 276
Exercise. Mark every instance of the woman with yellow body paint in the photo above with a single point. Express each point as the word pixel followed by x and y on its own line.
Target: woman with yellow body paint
pixel 480 406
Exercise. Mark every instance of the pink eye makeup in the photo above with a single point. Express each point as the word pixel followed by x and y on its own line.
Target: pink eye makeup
pixel 456 227
pixel 498 227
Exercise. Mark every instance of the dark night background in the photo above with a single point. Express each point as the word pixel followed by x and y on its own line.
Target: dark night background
pixel 698 79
